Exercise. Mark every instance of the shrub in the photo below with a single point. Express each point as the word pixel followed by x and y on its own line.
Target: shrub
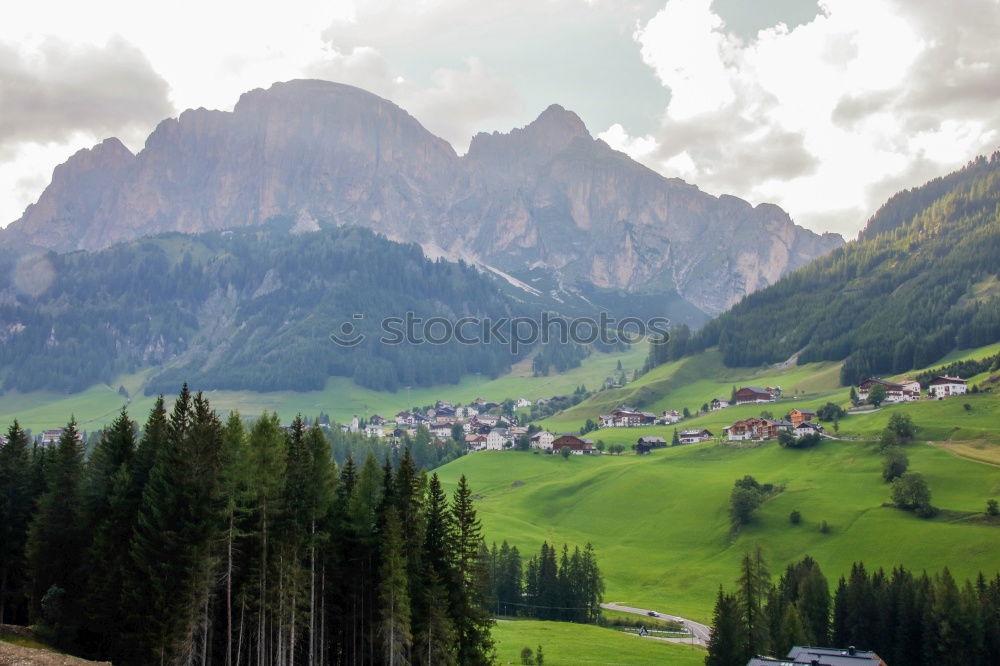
pixel 824 527
pixel 967 407
pixel 902 426
pixel 910 491
pixel 894 463
pixel 795 517
pixel 991 508
pixel 527 656
pixel 830 412
pixel 925 511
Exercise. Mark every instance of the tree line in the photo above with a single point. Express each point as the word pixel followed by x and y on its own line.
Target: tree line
pixel 198 541
pixel 552 585
pixel 918 620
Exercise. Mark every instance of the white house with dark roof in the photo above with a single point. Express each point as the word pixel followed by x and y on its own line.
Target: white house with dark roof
pixel 944 386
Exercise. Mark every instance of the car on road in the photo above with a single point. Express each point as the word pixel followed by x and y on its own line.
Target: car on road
pixel 651 613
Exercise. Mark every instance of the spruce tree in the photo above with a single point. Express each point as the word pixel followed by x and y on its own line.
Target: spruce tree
pixel 754 583
pixel 394 600
pixel 57 536
pixel 472 623
pixel 110 516
pixel 16 501
pixel 727 646
pixel 180 518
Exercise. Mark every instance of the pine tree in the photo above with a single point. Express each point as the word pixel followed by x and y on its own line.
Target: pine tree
pixel 754 583
pixel 57 535
pixel 394 611
pixel 472 623
pixel 180 517
pixel 16 500
pixel 110 515
pixel 727 647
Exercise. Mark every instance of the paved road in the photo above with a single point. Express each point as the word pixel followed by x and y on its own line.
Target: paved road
pixel 700 632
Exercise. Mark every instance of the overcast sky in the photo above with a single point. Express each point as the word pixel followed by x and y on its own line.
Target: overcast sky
pixel 825 108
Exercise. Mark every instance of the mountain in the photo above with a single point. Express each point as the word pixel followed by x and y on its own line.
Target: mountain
pixel 545 204
pixel 923 279
pixel 247 309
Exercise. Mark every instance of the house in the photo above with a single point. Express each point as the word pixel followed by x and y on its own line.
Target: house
pixel 801 415
pixel 374 430
pixel 575 444
pixel 626 417
pixel 443 413
pixel 807 428
pixel 442 430
pixel 475 442
pixel 944 386
pixel 542 440
pixel 769 428
pixel 523 402
pixel 670 416
pixel 487 419
pixel 755 428
pixel 51 437
pixel 717 404
pixel 480 401
pixel 377 420
pixel 497 439
pixel 405 418
pixel 648 443
pixel 694 436
pixel 749 395
pixel 893 392
pixel 815 656
pixel 741 430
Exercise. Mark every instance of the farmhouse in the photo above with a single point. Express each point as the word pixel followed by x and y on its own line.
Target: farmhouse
pixel 441 430
pixel 542 440
pixel 670 416
pixel 647 443
pixel 523 402
pixel 717 404
pixel 575 444
pixel 749 395
pixel 51 437
pixel 801 415
pixel 893 392
pixel 377 420
pixel 807 428
pixel 694 436
pixel 944 386
pixel 755 428
pixel 814 656
pixel 475 442
pixel 374 430
pixel 626 417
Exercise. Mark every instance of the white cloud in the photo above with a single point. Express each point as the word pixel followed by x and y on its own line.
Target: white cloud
pixel 456 104
pixel 824 119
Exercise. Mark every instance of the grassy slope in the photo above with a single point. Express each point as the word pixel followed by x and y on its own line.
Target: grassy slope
pixel 660 525
pixel 566 644
pixel 341 398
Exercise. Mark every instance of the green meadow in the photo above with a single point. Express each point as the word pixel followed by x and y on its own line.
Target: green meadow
pixel 565 644
pixel 341 398
pixel 662 531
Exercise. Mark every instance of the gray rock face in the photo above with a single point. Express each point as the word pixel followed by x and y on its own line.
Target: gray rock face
pixel 546 195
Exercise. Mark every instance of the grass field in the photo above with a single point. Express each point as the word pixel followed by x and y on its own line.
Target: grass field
pixel 341 398
pixel 565 644
pixel 661 529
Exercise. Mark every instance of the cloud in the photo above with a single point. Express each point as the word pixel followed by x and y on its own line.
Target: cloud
pixel 827 118
pixel 456 104
pixel 58 89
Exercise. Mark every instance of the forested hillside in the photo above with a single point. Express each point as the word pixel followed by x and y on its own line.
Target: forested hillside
pixel 249 309
pixel 922 281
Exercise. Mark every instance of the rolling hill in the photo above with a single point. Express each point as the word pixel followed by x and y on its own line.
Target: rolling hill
pixel 921 281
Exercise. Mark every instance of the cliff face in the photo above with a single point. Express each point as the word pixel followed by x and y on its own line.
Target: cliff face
pixel 546 195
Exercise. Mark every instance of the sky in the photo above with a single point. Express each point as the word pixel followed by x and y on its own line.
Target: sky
pixel 825 107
